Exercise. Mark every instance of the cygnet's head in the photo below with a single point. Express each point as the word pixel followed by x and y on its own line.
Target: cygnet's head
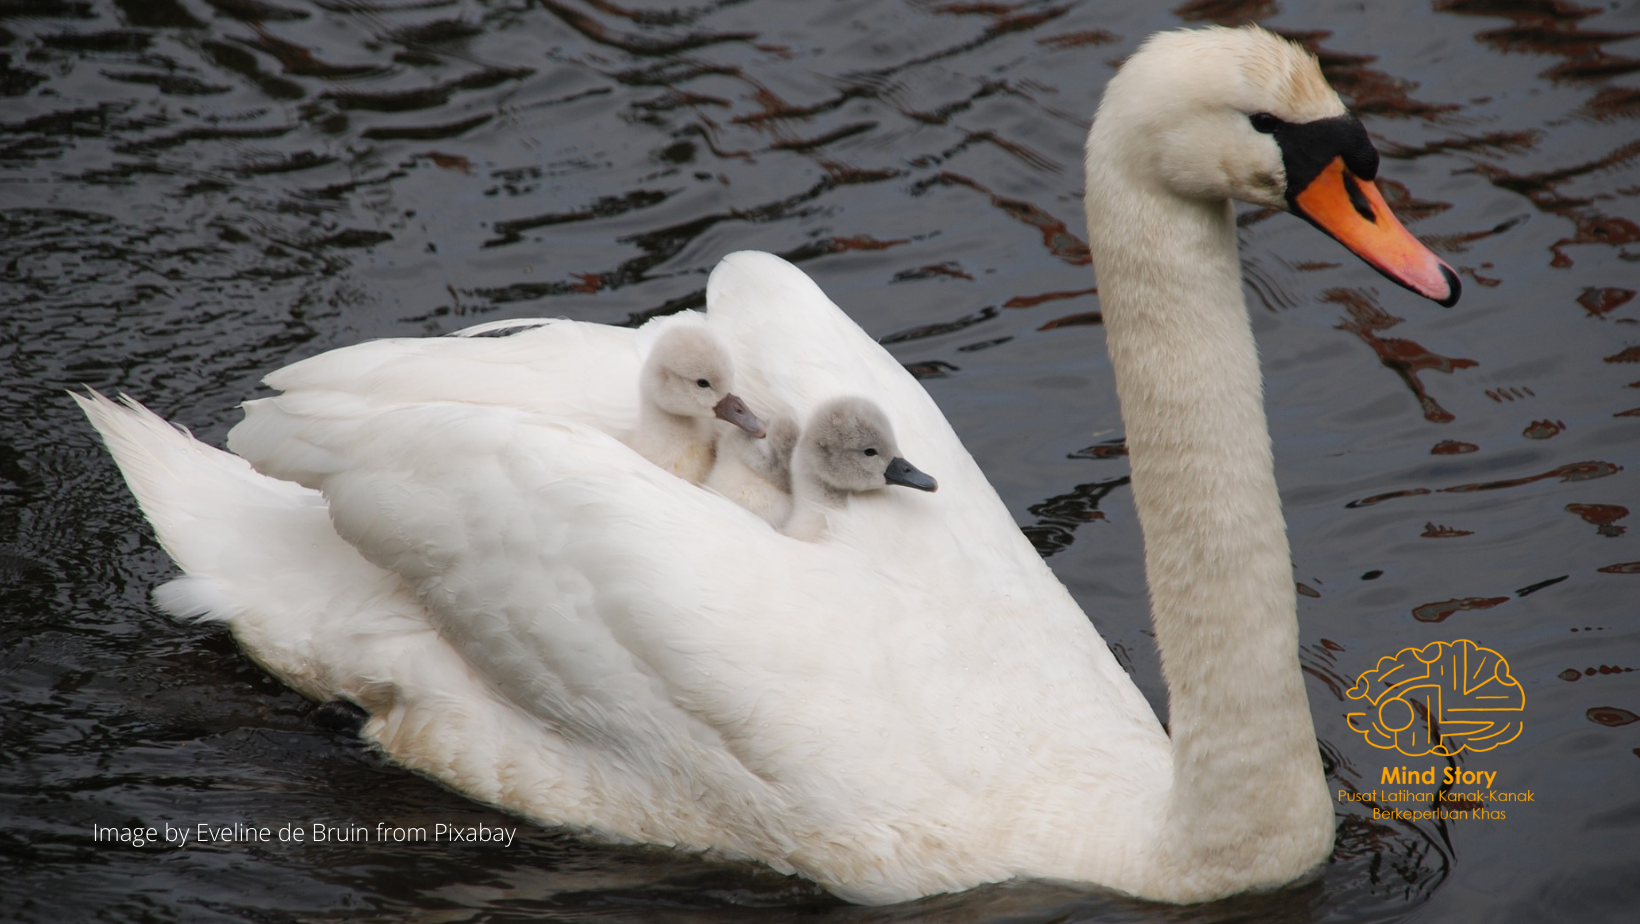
pixel 848 448
pixel 688 374
pixel 770 458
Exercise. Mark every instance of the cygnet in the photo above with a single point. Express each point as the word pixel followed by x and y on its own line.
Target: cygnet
pixel 847 448
pixel 684 388
pixel 757 473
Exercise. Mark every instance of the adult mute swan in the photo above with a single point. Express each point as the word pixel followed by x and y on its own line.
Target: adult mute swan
pixel 534 614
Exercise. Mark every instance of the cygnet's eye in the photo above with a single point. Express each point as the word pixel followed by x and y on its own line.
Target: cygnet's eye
pixel 703 383
pixel 1264 122
pixel 871 452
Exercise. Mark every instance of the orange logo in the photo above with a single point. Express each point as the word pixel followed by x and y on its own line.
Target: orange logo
pixel 1440 699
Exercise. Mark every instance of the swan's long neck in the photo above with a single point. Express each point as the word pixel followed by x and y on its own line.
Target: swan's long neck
pixel 1248 800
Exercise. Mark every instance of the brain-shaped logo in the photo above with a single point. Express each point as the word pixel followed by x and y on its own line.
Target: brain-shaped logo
pixel 1439 699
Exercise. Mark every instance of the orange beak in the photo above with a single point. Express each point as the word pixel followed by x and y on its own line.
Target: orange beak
pixel 1353 213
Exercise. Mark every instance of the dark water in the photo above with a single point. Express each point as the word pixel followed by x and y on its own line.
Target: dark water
pixel 193 192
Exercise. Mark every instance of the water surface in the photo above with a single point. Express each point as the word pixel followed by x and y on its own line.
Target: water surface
pixel 193 192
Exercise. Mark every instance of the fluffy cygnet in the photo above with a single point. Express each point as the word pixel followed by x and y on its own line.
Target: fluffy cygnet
pixel 683 389
pixel 847 448
pixel 757 473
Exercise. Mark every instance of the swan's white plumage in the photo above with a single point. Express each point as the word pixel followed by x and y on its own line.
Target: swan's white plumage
pixel 537 616
pixel 586 372
pixel 729 640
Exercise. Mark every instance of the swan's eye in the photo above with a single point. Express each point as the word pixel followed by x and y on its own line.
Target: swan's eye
pixel 703 383
pixel 871 452
pixel 1264 122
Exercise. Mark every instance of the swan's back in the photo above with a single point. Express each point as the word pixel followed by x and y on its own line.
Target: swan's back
pixel 568 369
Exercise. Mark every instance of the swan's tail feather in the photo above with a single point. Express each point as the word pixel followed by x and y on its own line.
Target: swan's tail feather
pixel 184 485
pixel 259 555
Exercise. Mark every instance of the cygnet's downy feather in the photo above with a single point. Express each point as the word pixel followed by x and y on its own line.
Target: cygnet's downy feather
pixel 684 390
pixel 847 448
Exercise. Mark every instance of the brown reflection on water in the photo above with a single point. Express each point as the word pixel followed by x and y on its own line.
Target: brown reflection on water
pixel 1056 235
pixel 1080 319
pixel 1549 27
pixel 1611 716
pixel 1543 429
pixel 1511 393
pixel 1576 471
pixel 1321 662
pixel 1110 449
pixel 1572 674
pixel 1365 90
pixel 300 61
pixel 1432 531
pixel 1226 12
pixel 1541 188
pixel 1031 301
pixel 1387 495
pixel 1452 448
pixel 1602 516
pixel 1084 39
pixel 641 45
pixel 1601 302
pixel 1440 610
pixel 1407 358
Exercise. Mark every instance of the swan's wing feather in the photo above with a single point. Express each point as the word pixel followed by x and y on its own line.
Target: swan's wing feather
pixel 544 366
pixel 606 597
pixel 580 371
pixel 775 708
pixel 261 556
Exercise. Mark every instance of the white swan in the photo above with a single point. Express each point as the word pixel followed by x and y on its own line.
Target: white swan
pixel 913 705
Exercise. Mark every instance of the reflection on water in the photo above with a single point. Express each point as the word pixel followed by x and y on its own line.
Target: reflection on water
pixel 193 192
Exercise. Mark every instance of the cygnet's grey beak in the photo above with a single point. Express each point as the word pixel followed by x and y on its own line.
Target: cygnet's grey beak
pixel 902 472
pixel 735 411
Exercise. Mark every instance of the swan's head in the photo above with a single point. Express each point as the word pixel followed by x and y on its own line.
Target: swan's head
pixel 1215 114
pixel 848 447
pixel 688 373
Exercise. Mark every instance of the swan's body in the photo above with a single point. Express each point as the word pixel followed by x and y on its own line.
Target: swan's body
pixel 911 705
